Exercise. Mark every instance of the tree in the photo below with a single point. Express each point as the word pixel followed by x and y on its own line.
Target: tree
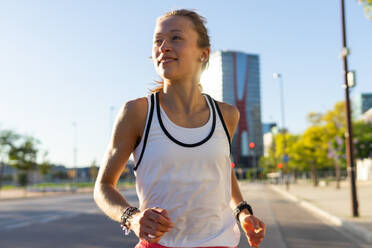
pixel 314 118
pixel 335 124
pixel 8 139
pixel 93 170
pixel 367 5
pixel 269 163
pixel 282 145
pixel 363 139
pixel 312 151
pixel 45 166
pixel 23 157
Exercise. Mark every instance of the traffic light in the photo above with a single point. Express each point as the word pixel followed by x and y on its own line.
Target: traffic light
pixel 280 165
pixel 251 145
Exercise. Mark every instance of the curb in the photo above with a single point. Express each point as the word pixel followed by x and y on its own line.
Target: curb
pixel 41 194
pixel 350 226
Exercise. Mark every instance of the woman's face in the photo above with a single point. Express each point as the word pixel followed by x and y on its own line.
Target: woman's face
pixel 175 52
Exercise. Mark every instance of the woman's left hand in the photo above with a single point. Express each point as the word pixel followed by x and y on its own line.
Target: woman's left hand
pixel 253 227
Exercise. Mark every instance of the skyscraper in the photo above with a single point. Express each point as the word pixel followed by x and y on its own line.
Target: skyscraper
pixel 234 77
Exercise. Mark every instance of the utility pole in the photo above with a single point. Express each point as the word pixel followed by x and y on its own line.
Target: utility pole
pixel 349 129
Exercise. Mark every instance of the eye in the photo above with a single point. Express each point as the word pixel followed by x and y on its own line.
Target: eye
pixel 158 41
pixel 176 36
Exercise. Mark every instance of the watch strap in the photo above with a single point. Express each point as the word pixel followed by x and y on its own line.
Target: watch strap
pixel 240 207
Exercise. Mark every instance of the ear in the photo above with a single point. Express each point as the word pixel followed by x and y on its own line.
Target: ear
pixel 205 53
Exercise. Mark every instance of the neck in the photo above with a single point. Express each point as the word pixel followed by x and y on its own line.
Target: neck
pixel 182 96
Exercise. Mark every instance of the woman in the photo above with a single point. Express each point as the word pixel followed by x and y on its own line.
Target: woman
pixel 181 142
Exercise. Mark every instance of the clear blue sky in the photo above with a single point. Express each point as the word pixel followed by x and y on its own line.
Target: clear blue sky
pixel 70 61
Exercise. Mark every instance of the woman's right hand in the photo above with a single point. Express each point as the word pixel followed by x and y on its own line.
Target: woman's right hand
pixel 151 224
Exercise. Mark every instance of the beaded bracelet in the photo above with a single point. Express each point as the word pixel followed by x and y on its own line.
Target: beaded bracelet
pixel 125 217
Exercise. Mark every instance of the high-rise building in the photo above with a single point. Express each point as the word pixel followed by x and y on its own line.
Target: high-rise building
pixel 234 78
pixel 361 103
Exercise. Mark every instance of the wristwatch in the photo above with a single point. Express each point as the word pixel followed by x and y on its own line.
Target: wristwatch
pixel 242 205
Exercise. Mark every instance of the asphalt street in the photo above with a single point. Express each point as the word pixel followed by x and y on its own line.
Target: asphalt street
pixel 75 221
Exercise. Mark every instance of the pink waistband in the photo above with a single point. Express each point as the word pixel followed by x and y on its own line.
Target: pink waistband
pixel 145 244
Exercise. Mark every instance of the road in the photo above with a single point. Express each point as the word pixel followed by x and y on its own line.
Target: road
pixel 75 221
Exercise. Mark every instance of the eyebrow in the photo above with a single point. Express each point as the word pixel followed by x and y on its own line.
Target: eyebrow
pixel 173 30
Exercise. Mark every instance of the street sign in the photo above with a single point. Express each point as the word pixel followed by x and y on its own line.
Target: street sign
pixel 285 158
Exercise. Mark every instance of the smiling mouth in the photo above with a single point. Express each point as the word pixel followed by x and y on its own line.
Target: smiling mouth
pixel 166 61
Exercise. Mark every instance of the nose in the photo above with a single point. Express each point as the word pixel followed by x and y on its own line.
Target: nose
pixel 165 47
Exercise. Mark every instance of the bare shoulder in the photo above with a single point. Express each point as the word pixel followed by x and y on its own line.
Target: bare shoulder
pixel 230 115
pixel 136 106
pixel 125 135
pixel 131 118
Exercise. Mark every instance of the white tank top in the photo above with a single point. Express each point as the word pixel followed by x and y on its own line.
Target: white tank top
pixel 187 171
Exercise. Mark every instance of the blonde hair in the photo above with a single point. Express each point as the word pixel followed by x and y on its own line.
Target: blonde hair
pixel 199 26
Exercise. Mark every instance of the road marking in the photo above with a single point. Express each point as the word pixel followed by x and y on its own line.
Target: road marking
pixel 275 230
pixel 12 224
pixel 18 225
pixel 50 218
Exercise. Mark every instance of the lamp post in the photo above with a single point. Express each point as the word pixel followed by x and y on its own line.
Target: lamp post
pixel 280 78
pixel 112 109
pixel 282 130
pixel 75 152
pixel 349 131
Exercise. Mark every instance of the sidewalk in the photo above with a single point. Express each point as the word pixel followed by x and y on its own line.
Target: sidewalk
pixel 12 194
pixel 334 205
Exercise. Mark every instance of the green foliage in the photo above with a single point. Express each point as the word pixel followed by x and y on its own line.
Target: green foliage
pixel 283 144
pixel 93 170
pixel 45 167
pixel 24 156
pixel 363 139
pixel 312 148
pixel 322 145
pixel 21 152
pixel 8 139
pixel 268 163
pixel 367 6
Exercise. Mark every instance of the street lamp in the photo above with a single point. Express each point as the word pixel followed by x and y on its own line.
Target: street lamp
pixel 280 78
pixel 285 157
pixel 75 150
pixel 111 124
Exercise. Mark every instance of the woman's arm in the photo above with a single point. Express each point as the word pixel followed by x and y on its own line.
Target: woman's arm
pixel 124 138
pixel 231 116
pixel 150 224
pixel 253 227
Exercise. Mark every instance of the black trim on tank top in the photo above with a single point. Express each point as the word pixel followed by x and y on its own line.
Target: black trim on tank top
pixel 179 142
pixel 223 123
pixel 147 131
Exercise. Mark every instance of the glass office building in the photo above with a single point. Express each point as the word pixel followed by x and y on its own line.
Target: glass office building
pixel 234 78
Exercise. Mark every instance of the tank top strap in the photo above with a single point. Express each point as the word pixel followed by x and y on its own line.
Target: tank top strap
pixel 147 129
pixel 221 119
